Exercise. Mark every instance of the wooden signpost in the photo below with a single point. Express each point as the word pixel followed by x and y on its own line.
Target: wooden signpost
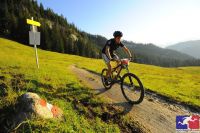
pixel 34 36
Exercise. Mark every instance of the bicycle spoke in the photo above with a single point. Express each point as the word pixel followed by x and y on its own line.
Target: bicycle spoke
pixel 132 88
pixel 130 80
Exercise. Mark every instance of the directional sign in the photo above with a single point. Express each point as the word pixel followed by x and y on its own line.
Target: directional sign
pixel 31 22
pixel 34 38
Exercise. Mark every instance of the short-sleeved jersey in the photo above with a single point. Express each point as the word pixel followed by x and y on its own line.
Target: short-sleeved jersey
pixel 113 46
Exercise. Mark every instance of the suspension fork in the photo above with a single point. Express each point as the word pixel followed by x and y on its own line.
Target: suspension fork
pixel 129 76
pixel 127 70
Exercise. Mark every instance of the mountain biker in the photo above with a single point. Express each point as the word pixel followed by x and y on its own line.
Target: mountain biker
pixel 108 52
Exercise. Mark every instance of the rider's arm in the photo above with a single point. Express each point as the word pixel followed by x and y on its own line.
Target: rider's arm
pixel 108 52
pixel 127 51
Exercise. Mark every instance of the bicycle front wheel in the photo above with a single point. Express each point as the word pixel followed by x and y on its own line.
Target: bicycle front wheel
pixel 132 88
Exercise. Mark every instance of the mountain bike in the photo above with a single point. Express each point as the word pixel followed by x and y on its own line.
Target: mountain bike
pixel 131 86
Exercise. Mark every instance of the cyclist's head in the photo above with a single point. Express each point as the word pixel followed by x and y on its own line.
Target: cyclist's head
pixel 117 35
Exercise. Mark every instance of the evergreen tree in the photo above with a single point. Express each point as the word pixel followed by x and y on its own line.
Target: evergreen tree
pixel 60 36
pixel 4 18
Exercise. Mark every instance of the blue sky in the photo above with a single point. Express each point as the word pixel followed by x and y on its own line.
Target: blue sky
pixel 162 22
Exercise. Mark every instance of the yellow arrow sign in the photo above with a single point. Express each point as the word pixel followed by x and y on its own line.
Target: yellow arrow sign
pixel 31 22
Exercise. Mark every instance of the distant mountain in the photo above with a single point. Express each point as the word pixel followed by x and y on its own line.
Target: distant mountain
pixel 151 54
pixel 58 35
pixel 189 47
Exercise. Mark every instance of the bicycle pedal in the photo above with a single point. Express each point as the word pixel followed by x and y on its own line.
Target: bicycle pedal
pixel 115 80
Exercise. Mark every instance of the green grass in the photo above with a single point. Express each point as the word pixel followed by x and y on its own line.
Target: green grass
pixel 181 84
pixel 55 82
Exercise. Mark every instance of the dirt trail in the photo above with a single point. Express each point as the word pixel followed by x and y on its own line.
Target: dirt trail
pixel 156 116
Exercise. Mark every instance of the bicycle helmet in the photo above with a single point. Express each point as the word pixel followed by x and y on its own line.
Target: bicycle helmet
pixel 117 34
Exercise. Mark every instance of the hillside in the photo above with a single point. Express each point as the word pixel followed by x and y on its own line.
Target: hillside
pixel 56 82
pixel 191 48
pixel 151 54
pixel 58 35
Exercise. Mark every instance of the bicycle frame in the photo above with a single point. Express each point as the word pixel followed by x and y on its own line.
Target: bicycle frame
pixel 121 67
pixel 127 81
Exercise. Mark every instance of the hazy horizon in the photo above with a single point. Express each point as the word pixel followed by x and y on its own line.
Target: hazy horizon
pixel 162 23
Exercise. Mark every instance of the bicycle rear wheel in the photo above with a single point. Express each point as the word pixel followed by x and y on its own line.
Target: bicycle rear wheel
pixel 132 88
pixel 103 75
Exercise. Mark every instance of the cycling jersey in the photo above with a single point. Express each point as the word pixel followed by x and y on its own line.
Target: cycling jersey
pixel 113 46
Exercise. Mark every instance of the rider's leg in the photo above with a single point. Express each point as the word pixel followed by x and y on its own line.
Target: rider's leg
pixel 109 69
pixel 117 62
pixel 107 61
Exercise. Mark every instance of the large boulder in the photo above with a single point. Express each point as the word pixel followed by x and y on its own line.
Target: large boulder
pixel 28 105
pixel 31 102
